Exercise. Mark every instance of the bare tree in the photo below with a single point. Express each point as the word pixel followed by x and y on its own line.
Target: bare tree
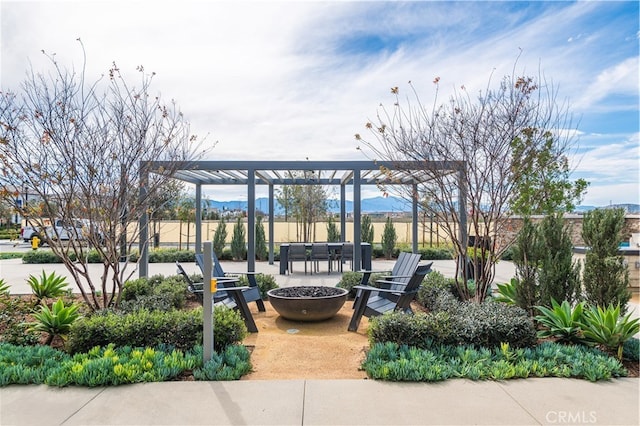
pixel 78 147
pixel 306 202
pixel 508 138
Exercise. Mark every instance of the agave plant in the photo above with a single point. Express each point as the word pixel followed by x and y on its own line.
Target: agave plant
pixel 561 321
pixel 47 286
pixel 507 292
pixel 4 287
pixel 606 327
pixel 56 321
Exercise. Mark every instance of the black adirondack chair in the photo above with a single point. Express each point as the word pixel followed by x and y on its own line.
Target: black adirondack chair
pixel 228 295
pixel 252 294
pixel 395 294
pixel 402 270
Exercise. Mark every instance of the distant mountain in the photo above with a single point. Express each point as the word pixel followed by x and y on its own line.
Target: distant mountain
pixel 630 208
pixel 370 205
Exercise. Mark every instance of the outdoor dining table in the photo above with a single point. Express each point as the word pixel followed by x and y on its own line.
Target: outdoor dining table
pixel 365 254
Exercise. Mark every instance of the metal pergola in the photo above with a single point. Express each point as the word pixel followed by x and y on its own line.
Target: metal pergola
pixel 276 173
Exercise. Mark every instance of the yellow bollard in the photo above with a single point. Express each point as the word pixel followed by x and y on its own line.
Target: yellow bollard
pixel 35 243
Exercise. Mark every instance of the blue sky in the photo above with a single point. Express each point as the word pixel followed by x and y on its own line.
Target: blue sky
pixel 295 80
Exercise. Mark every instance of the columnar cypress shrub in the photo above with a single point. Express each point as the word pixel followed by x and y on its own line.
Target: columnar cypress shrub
pixel 261 241
pixel 606 277
pixel 238 242
pixel 220 237
pixel 366 230
pixel 526 254
pixel 333 235
pixel 389 239
pixel 559 275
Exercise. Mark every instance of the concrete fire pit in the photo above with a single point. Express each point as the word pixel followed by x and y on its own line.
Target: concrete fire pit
pixel 307 303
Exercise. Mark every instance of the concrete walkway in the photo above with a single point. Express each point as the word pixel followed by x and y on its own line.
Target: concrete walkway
pixel 327 402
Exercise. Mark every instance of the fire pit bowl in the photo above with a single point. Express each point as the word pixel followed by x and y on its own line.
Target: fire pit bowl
pixel 307 303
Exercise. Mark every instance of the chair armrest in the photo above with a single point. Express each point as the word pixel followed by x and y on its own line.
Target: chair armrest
pixel 390 282
pixel 242 273
pixel 397 276
pixel 383 290
pixel 236 288
pixel 370 271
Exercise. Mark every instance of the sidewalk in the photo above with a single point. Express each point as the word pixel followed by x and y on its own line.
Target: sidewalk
pixel 327 402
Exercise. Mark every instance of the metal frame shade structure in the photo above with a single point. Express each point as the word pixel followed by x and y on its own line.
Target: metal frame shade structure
pixel 272 173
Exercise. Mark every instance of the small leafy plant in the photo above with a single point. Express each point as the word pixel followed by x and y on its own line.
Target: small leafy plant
pixel 507 292
pixel 608 328
pixel 4 287
pixel 47 286
pixel 561 321
pixel 56 321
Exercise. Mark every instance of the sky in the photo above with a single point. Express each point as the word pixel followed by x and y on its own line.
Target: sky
pixel 296 80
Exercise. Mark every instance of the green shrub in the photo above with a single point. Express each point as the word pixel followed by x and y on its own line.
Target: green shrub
pixel 366 229
pixel 349 280
pixel 420 330
pixel 606 276
pixel 182 329
pixel 631 349
pixel 171 256
pixel 390 361
pixel 436 253
pixel 437 298
pixel 389 239
pixel 491 323
pixel 238 241
pixel 156 292
pixel 11 255
pixel 28 364
pixel 559 273
pixel 261 251
pixel 265 282
pixel 229 328
pixel 220 238
pixel 133 289
pixel 431 286
pixel 14 314
pixel 466 323
pixel 507 254
pixel 109 366
pixel 231 364
pixel 40 256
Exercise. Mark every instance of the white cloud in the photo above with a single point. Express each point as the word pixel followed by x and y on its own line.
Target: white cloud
pixel 275 80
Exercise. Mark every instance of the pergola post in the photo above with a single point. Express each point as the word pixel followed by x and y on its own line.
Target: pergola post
pixel 199 218
pixel 271 225
pixel 357 234
pixel 343 213
pixel 251 220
